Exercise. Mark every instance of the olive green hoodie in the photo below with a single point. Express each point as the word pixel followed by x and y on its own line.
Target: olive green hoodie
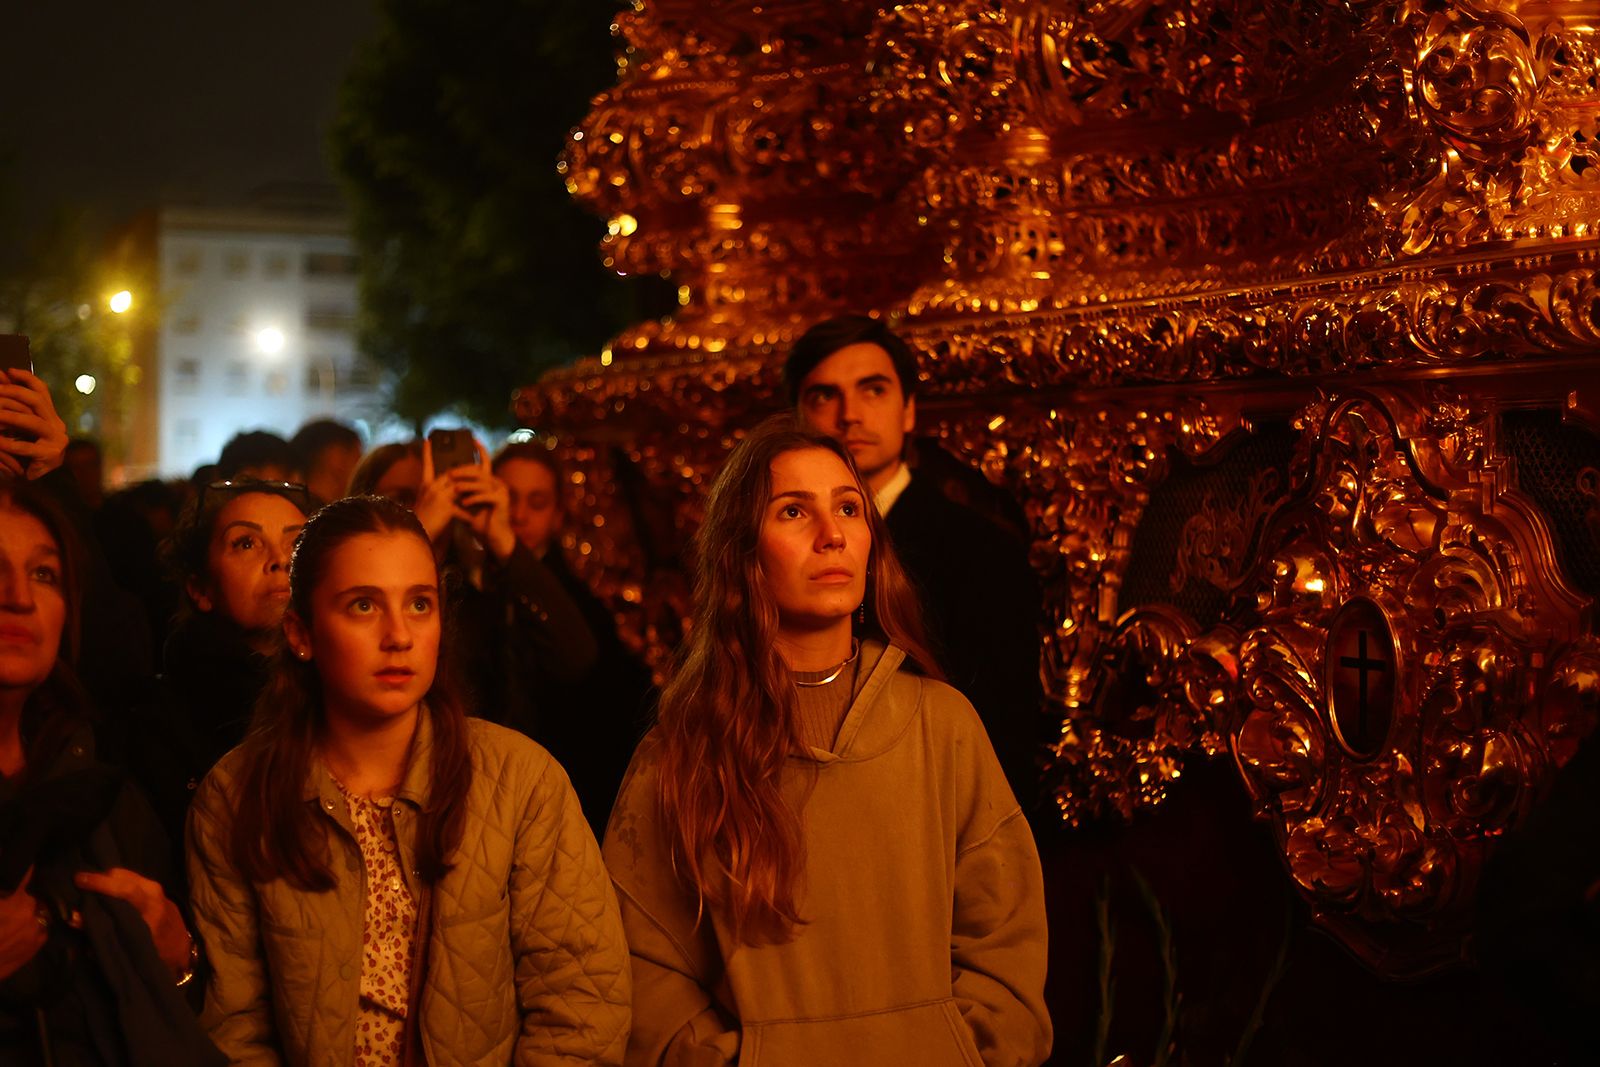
pixel 924 940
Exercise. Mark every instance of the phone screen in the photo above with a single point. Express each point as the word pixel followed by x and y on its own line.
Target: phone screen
pixel 14 354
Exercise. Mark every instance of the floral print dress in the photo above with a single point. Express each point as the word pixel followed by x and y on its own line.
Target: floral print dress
pixel 389 930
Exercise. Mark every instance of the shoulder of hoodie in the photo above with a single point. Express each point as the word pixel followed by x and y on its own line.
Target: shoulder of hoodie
pixel 945 708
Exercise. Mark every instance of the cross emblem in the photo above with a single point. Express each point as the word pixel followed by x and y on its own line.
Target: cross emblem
pixel 1361 672
pixel 1363 663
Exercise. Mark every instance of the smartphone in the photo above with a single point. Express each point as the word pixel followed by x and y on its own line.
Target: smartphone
pixel 452 449
pixel 14 353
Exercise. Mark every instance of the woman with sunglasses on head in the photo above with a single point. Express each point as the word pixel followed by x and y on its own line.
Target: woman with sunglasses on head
pixel 378 879
pixel 816 852
pixel 230 555
pixel 93 952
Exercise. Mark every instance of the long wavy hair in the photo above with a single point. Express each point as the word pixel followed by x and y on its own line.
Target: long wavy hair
pixel 276 833
pixel 55 708
pixel 726 722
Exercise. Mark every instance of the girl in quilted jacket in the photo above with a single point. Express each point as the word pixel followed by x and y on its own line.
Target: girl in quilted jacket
pixel 817 855
pixel 376 878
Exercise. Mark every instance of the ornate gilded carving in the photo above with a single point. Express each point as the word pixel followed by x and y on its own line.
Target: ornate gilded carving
pixel 1487 108
pixel 1391 726
pixel 1087 217
pixel 1217 539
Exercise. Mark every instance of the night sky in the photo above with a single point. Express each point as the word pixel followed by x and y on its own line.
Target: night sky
pixel 118 108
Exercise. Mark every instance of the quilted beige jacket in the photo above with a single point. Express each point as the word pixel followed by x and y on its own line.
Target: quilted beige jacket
pixel 527 960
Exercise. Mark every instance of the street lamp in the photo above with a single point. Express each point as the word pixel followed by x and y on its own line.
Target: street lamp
pixel 270 340
pixel 120 301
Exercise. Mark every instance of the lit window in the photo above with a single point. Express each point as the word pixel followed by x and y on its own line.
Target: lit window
pixel 186 375
pixel 320 375
pixel 331 264
pixel 332 317
pixel 363 374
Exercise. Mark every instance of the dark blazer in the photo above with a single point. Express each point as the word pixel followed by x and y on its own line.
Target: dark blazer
pixel 981 601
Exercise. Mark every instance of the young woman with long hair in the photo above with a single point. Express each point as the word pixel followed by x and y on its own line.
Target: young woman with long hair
pixel 93 951
pixel 378 879
pixel 816 852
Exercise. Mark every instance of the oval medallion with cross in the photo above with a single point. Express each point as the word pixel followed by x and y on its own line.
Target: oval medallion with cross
pixel 1360 665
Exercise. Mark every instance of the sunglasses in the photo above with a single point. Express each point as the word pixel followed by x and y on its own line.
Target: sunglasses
pixel 294 492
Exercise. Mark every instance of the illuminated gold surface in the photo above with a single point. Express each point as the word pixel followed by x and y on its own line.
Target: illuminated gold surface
pixel 1118 231
pixel 1402 499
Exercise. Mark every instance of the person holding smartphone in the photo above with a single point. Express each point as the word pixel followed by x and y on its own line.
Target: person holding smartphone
pixel 516 624
pixel 33 444
pixel 33 439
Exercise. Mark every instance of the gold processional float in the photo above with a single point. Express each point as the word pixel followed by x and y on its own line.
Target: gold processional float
pixel 1280 320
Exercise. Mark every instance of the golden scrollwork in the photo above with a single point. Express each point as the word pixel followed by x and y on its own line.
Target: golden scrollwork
pixel 1118 232
pixel 1459 570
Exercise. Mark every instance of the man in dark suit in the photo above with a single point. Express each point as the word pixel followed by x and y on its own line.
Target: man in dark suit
pixel 850 377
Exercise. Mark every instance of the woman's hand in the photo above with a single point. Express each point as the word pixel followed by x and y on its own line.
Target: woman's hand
pixel 436 500
pixel 485 505
pixel 26 408
pixel 150 901
pixel 22 935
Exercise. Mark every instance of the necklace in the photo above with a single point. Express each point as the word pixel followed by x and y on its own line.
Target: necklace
pixel 855 650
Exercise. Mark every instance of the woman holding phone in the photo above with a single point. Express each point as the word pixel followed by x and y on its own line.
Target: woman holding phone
pixel 378 879
pixel 516 625
pixel 816 851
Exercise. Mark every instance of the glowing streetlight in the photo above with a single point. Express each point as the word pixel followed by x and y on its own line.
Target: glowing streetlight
pixel 85 384
pixel 270 340
pixel 120 301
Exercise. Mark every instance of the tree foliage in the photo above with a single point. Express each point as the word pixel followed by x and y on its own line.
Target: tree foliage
pixel 479 271
pixel 56 295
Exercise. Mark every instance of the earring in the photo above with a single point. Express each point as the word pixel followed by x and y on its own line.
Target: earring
pixel 861 612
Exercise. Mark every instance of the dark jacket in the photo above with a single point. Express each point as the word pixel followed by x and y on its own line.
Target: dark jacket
pixel 981 601
pixel 1539 906
pixel 540 654
pixel 505 634
pixel 592 723
pixel 171 736
pixel 98 995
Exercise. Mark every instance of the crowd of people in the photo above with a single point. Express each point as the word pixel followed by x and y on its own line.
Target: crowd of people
pixel 308 760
